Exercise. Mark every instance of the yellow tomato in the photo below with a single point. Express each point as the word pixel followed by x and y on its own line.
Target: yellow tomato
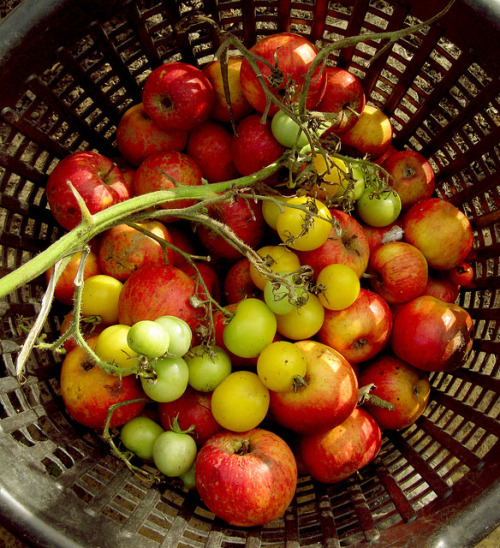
pixel 279 259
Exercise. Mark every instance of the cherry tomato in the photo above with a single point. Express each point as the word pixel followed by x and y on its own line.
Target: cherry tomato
pixel 100 296
pixel 112 347
pixel 252 327
pixel 148 338
pixel 174 453
pixel 171 382
pixel 281 366
pixel 331 172
pixel 463 274
pixel 278 258
pixel 379 209
pixel 286 131
pixel 208 367
pixel 139 435
pixel 271 209
pixel 341 286
pixel 302 230
pixel 280 299
pixel 240 402
pixel 304 322
pixel 180 335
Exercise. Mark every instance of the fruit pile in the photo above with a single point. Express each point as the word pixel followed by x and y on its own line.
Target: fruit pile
pixel 283 284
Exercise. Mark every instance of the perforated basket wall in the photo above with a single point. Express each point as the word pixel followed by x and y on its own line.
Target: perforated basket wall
pixel 69 69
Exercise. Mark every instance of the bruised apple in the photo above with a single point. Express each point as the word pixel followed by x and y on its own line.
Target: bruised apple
pixel 331 455
pixel 432 335
pixel 246 478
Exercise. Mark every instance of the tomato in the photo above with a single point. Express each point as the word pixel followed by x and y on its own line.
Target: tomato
pixel 174 453
pixel 379 209
pixel 172 375
pixel 304 322
pixel 341 286
pixel 282 300
pixel 240 402
pixel 278 258
pixel 208 367
pixel 180 335
pixel 252 327
pixel 148 338
pixel 139 435
pixel 281 366
pixel 112 347
pixel 271 209
pixel 331 172
pixel 304 230
pixel 463 274
pixel 100 296
pixel 287 132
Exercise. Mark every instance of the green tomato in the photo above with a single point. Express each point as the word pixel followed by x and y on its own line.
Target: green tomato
pixel 277 297
pixel 139 435
pixel 180 335
pixel 358 186
pixel 148 338
pixel 171 382
pixel 208 367
pixel 285 131
pixel 378 210
pixel 174 453
pixel 252 328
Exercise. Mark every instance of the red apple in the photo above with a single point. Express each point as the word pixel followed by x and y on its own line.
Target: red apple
pixel 327 399
pixel 96 178
pixel 334 454
pixel 183 239
pixel 412 176
pixel 157 170
pixel 391 149
pixel 193 408
pixel 125 249
pixel 361 330
pixel 292 54
pixel 344 95
pixel 432 335
pixel 398 272
pixel 209 145
pixel 238 283
pixel 442 288
pixel 239 104
pixel 137 136
pixel 158 290
pixel 254 146
pixel 88 392
pixel 346 244
pixel 247 479
pixel 243 217
pixel 440 230
pixel 178 95
pixel 209 276
pixel 379 235
pixel 398 383
pixel 370 136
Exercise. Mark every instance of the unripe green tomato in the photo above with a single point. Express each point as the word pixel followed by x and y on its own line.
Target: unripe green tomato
pixel 139 435
pixel 180 334
pixel 174 453
pixel 171 382
pixel 208 367
pixel 148 338
pixel 285 131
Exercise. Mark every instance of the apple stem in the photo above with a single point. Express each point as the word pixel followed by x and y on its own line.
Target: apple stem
pixel 243 447
pixel 298 382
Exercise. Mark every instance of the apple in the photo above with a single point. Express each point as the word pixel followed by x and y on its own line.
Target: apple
pixel 347 244
pixel 432 335
pixel 328 397
pixel 208 274
pixel 125 249
pixel 440 230
pixel 239 104
pixel 137 136
pixel 88 392
pixel 183 240
pixel 292 54
pixel 344 95
pixel 334 454
pixel 379 235
pixel 398 272
pixel 90 326
pixel 156 171
pixel 441 287
pixel 242 217
pixel 247 479
pixel 412 176
pixel 360 331
pixel 178 95
pixel 96 178
pixel 192 409
pixel 398 383
pixel 210 145
pixel 238 283
pixel 157 290
pixel 254 145
pixel 391 149
pixel 370 136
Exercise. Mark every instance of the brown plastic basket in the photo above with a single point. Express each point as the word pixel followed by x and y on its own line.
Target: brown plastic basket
pixel 69 69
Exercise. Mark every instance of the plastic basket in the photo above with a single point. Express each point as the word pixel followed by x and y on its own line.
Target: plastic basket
pixel 69 69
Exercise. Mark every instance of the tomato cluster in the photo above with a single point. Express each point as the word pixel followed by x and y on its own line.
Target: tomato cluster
pixel 315 282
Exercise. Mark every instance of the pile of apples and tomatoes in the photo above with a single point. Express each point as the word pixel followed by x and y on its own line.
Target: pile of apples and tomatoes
pixel 286 335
